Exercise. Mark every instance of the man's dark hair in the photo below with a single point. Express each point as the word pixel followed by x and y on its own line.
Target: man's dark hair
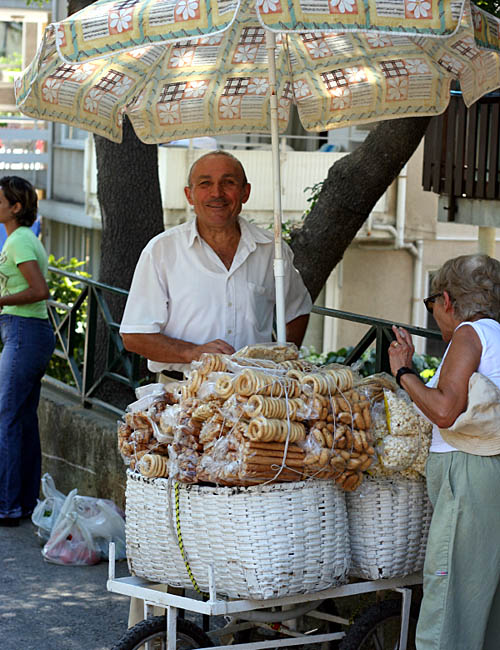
pixel 19 190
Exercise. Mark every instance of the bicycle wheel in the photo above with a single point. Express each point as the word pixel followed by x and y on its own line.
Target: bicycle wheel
pixel 379 627
pixel 153 630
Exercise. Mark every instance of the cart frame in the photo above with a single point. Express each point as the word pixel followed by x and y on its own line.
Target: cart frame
pixel 144 590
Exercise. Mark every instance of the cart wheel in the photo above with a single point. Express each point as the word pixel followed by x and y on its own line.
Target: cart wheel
pixel 379 626
pixel 153 630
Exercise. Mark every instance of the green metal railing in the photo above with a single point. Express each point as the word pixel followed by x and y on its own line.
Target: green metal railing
pixel 119 365
pixel 380 333
pixel 88 373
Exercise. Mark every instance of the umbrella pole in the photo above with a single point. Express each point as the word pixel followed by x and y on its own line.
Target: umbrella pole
pixel 279 267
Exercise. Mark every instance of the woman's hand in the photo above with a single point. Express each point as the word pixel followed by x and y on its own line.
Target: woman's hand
pixel 401 350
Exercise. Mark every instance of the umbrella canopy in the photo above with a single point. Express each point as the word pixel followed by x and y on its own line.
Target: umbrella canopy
pixel 183 68
pixel 180 68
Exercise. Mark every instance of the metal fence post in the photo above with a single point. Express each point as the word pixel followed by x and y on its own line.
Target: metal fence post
pixel 383 340
pixel 90 345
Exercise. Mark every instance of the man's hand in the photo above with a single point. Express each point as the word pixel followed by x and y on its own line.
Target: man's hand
pixel 215 347
pixel 161 348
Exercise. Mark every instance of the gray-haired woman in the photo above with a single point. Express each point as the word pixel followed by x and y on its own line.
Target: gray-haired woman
pixel 461 604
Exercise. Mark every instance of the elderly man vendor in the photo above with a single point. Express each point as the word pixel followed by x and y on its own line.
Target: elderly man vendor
pixel 208 284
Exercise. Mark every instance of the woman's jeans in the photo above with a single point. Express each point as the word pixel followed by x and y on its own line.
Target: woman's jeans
pixel 28 344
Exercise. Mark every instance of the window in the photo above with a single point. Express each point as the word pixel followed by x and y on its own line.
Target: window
pixel 11 36
pixel 72 136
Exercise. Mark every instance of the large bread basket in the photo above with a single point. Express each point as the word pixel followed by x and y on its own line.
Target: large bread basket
pixel 262 541
pixel 388 527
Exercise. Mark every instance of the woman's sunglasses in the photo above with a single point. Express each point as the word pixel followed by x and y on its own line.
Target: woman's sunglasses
pixel 430 300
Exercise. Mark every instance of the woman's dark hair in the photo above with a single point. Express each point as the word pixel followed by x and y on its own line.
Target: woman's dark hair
pixel 19 190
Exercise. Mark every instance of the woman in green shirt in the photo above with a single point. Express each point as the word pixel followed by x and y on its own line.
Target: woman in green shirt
pixel 28 343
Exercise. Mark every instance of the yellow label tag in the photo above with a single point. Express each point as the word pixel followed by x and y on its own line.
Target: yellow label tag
pixel 387 413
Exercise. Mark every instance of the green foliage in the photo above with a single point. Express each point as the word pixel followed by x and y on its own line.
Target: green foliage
pixel 13 61
pixel 491 6
pixel 314 191
pixel 288 226
pixel 286 229
pixel 424 364
pixel 39 3
pixel 66 291
pixel 63 289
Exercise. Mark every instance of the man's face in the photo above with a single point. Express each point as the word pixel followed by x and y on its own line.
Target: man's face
pixel 217 191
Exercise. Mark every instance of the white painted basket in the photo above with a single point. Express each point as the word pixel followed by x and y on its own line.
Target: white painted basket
pixel 388 527
pixel 263 541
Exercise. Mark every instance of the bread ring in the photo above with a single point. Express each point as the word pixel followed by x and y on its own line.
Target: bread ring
pixel 195 381
pixel 273 407
pixel 320 382
pixel 224 386
pixel 296 374
pixel 152 465
pixel 273 430
pixel 211 362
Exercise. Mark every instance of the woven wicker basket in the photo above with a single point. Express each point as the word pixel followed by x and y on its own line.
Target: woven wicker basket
pixel 263 541
pixel 388 527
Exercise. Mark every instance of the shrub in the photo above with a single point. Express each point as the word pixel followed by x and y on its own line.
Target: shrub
pixel 66 291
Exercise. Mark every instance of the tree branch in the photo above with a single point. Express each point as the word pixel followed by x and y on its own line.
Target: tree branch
pixel 353 186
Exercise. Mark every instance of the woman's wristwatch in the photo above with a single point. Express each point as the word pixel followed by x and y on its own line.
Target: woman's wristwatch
pixel 404 371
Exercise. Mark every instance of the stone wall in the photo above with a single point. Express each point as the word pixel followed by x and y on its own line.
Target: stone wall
pixel 79 448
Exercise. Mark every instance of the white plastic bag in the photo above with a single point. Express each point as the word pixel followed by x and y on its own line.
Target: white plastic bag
pixel 83 530
pixel 46 512
pixel 70 541
pixel 105 522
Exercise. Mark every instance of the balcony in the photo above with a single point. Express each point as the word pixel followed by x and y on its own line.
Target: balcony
pixel 461 161
pixel 25 149
pixel 299 170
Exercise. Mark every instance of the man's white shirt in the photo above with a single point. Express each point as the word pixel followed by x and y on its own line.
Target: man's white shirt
pixel 182 289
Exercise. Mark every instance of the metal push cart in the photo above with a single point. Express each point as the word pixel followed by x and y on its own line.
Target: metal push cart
pixel 379 627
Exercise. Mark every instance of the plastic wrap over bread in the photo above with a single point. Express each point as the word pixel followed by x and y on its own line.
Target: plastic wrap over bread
pixel 260 416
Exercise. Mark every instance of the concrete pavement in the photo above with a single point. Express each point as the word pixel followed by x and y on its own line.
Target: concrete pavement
pixel 45 606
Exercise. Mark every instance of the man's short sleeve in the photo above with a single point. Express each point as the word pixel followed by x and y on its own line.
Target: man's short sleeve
pixel 146 311
pixel 297 298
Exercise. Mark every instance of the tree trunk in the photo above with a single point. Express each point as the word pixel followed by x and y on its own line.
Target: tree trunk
pixel 128 191
pixel 353 186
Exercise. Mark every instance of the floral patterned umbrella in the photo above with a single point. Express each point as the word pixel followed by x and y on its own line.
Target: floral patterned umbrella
pixel 180 68
pixel 183 68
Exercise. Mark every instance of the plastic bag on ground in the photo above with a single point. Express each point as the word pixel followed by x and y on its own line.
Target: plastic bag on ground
pixel 105 522
pixel 47 511
pixel 83 531
pixel 70 541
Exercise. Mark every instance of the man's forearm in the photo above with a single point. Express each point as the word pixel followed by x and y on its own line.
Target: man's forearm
pixel 158 347
pixel 296 329
pixel 164 349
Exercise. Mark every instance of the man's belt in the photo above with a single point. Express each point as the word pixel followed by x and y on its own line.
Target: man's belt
pixel 173 374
